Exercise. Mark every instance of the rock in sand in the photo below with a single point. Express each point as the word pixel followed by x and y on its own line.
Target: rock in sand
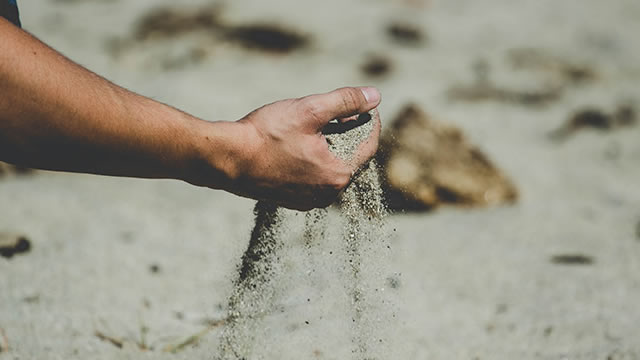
pixel 427 163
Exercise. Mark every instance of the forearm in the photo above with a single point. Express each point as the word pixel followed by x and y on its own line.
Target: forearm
pixel 57 115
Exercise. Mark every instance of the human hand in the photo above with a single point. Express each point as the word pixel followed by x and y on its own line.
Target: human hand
pixel 285 157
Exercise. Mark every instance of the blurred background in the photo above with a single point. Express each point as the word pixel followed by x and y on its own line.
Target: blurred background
pixel 511 159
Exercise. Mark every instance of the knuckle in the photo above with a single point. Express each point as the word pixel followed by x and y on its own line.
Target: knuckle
pixel 311 109
pixel 351 98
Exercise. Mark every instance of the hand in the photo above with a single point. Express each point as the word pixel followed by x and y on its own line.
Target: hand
pixel 286 157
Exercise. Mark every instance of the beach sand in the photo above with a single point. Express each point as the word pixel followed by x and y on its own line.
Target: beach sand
pixel 127 268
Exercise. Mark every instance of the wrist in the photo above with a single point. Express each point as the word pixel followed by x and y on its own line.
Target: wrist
pixel 222 152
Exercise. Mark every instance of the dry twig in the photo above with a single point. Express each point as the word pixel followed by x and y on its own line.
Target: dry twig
pixel 193 339
pixel 115 342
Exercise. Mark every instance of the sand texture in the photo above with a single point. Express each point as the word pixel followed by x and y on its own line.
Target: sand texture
pixel 546 90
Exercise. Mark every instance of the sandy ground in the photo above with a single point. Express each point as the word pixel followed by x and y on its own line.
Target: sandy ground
pixel 474 284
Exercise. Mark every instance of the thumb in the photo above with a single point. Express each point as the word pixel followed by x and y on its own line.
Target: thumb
pixel 340 103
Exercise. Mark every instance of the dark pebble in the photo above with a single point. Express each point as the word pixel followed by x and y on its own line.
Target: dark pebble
pixel 20 245
pixel 592 118
pixel 572 259
pixel 501 308
pixel 405 33
pixel 376 66
pixel 154 268
pixel 269 38
pixel 625 115
pixel 394 282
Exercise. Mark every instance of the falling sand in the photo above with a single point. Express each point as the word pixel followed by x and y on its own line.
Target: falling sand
pixel 317 279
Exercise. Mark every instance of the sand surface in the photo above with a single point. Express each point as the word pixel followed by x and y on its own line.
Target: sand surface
pixel 474 283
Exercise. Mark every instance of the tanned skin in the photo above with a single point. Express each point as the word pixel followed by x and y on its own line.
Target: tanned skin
pixel 57 115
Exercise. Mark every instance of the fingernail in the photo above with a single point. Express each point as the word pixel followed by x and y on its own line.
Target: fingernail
pixel 371 94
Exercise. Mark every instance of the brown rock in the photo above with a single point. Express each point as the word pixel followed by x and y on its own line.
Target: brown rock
pixel 6 169
pixel 427 163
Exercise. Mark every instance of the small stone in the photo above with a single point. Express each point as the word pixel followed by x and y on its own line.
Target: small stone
pixel 625 115
pixel 596 119
pixel 404 33
pixel 12 244
pixel 376 66
pixel 154 268
pixel 501 308
pixel 394 282
pixel 266 37
pixel 592 118
pixel 572 259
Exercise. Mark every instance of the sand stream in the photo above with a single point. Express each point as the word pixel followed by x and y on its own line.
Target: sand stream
pixel 348 282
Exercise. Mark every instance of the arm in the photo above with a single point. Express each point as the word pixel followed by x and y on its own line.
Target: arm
pixel 57 115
